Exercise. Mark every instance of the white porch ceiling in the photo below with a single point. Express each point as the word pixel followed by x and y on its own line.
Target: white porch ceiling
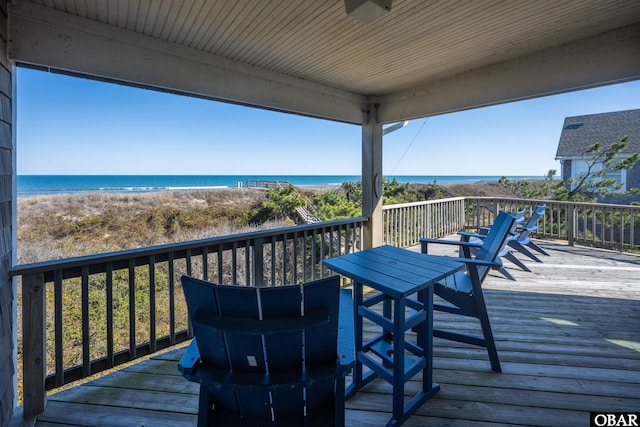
pixel 309 57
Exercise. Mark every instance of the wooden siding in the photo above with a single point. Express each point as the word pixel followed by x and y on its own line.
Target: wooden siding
pixel 567 335
pixel 7 368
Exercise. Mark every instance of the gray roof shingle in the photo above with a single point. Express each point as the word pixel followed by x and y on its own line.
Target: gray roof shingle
pixel 579 132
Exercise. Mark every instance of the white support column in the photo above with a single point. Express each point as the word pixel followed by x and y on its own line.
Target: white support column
pixel 372 178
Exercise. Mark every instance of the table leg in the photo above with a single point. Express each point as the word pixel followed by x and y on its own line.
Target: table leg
pixel 398 361
pixel 388 335
pixel 426 338
pixel 357 370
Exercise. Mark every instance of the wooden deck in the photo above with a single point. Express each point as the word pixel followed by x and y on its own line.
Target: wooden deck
pixel 568 335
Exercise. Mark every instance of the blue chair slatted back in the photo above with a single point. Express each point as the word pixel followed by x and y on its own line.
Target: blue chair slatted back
pixel 321 341
pixel 519 215
pixel 263 336
pixel 495 241
pixel 532 224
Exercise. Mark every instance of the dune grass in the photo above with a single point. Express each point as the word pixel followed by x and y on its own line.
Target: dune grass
pixel 63 226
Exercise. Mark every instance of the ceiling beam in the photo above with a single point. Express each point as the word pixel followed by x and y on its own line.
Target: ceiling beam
pixel 44 37
pixel 606 58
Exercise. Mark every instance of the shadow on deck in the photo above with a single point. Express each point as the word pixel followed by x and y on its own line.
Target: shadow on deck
pixel 568 335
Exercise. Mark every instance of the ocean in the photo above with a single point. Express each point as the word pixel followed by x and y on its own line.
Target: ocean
pixel 38 185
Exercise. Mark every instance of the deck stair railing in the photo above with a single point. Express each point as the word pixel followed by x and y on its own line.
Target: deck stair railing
pixel 306 216
pixel 309 212
pixel 84 315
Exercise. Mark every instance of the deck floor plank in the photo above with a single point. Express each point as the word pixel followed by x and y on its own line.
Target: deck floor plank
pixel 568 336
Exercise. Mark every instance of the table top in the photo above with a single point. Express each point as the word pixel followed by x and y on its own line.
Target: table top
pixel 394 271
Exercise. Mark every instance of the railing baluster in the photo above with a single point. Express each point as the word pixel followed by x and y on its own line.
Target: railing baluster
pixel 152 304
pixel 220 254
pixel 585 222
pixel 234 263
pixel 621 225
pixel 612 226
pixel 132 309
pixel 247 262
pixel 632 229
pixel 172 299
pixel 323 244
pixel 294 257
pixel 86 335
pixel 273 261
pixel 314 237
pixel 188 262
pixel 286 244
pixel 205 263
pixel 429 221
pixel 59 321
pixel 594 222
pixel 571 225
pixel 258 262
pixel 109 310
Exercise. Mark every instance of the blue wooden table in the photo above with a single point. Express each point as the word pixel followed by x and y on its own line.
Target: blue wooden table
pixel 402 299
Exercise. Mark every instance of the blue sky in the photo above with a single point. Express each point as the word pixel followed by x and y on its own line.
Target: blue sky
pixel 67 125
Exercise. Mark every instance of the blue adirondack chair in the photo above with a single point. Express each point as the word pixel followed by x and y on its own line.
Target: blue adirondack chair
pixel 518 215
pixel 505 253
pixel 462 294
pixel 521 240
pixel 274 356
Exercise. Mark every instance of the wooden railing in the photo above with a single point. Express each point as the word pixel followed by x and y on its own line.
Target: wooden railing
pixel 405 223
pixel 103 286
pixel 593 224
pixel 105 310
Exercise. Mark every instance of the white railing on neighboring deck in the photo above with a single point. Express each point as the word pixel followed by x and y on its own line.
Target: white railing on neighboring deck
pixel 124 305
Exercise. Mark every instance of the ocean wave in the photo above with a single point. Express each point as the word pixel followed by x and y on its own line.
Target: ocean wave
pixel 201 187
pixel 163 188
pixel 129 189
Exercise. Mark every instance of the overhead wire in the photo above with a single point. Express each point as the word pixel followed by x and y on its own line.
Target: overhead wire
pixel 409 146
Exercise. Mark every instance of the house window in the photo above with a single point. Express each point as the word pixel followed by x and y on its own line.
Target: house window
pixel 579 168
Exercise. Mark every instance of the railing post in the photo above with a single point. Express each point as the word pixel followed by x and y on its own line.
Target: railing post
pixel 572 224
pixel 34 366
